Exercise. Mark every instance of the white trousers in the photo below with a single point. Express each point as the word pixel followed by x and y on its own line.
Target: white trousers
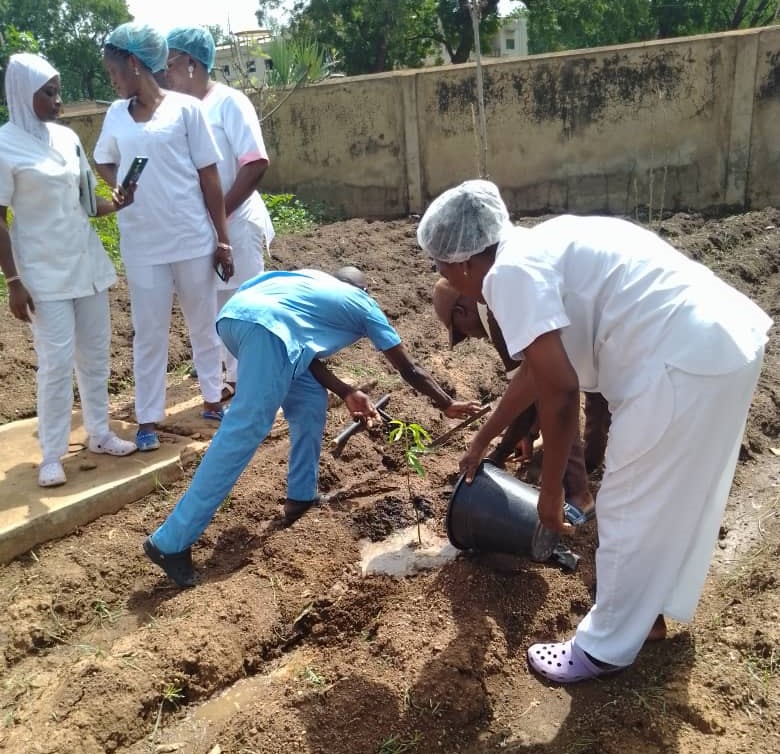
pixel 67 334
pixel 248 241
pixel 659 516
pixel 151 299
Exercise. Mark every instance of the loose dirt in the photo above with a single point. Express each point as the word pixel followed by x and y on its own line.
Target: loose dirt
pixel 287 647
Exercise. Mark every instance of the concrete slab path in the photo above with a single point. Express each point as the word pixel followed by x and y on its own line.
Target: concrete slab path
pixel 97 484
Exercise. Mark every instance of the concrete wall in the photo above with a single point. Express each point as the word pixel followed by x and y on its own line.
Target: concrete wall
pixel 681 124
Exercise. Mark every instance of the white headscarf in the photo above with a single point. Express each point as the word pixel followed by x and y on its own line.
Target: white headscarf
pixel 25 74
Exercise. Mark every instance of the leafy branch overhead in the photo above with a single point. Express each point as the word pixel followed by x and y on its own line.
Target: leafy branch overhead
pixel 70 35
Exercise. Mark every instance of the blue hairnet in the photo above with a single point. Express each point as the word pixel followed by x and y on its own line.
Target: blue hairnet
pixel 196 41
pixel 463 221
pixel 143 41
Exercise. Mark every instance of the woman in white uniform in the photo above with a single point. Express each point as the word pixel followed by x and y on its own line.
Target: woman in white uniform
pixel 233 119
pixel 175 234
pixel 55 267
pixel 602 305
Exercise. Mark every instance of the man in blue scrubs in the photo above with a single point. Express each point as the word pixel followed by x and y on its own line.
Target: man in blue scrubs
pixel 279 325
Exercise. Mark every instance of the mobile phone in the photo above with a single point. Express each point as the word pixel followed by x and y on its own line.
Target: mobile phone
pixel 220 270
pixel 136 168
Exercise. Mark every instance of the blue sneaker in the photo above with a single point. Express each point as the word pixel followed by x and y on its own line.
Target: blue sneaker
pixel 147 439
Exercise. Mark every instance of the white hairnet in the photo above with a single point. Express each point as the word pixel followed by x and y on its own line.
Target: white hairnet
pixel 25 74
pixel 463 221
pixel 143 41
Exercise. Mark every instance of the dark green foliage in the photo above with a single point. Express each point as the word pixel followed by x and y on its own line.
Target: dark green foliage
pixel 289 215
pixel 571 24
pixel 71 36
pixel 371 36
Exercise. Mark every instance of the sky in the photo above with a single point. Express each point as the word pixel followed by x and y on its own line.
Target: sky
pixel 237 15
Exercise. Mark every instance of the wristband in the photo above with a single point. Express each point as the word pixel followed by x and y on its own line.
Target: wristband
pixel 225 246
pixel 12 279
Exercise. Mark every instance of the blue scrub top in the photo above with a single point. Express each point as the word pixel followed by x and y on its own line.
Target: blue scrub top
pixel 312 313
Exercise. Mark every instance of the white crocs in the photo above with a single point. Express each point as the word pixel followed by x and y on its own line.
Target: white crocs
pixel 51 474
pixel 113 446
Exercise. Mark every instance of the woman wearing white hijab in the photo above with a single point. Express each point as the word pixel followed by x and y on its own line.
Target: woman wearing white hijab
pixel 55 267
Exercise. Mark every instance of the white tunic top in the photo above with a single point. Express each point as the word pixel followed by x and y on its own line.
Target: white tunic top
pixel 627 304
pixel 234 122
pixel 57 252
pixel 168 221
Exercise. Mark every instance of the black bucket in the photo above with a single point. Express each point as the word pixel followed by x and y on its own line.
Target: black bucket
pixel 497 513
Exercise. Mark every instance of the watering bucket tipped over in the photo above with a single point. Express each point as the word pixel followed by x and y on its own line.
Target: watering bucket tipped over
pixel 497 513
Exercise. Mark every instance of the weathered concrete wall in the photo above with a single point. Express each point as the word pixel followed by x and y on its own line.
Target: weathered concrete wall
pixel 87 126
pixel 342 142
pixel 604 130
pixel 764 165
pixel 676 124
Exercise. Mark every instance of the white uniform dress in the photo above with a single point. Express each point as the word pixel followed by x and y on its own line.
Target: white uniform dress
pixel 65 269
pixel 167 241
pixel 233 120
pixel 677 353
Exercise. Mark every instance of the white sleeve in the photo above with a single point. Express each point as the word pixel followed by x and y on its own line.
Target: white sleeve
pixel 242 128
pixel 6 181
pixel 526 302
pixel 200 139
pixel 107 147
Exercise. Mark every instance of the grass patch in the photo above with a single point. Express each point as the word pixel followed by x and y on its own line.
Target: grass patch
pixel 290 215
pixel 312 676
pixel 400 744
pixel 106 227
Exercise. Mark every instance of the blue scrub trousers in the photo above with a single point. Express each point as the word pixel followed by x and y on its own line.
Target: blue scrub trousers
pixel 266 381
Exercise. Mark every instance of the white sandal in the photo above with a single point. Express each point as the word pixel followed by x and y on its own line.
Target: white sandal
pixel 51 474
pixel 113 446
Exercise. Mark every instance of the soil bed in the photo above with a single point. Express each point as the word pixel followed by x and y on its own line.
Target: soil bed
pixel 287 647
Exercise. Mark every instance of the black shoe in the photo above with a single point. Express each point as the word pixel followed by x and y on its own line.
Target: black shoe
pixel 177 565
pixel 294 509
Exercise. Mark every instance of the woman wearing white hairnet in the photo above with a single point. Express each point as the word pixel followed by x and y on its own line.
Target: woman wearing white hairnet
pixel 176 233
pixel 233 119
pixel 600 304
pixel 55 267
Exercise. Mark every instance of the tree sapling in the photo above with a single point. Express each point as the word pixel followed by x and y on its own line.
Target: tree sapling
pixel 414 438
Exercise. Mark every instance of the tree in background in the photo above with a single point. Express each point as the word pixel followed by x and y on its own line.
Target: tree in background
pixel 70 35
pixel 266 13
pixel 574 24
pixel 371 36
pixel 221 37
pixel 11 41
pixel 456 30
pixel 677 18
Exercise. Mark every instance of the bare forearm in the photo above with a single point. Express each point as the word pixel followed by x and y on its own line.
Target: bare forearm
pixel 7 263
pixel 245 185
pixel 421 381
pixel 108 172
pixel 519 395
pixel 328 380
pixel 105 206
pixel 559 423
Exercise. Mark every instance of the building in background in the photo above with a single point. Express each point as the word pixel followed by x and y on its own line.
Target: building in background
pixel 511 39
pixel 240 60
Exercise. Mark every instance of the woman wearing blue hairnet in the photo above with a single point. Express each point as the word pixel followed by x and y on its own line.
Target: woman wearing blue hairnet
pixel 176 233
pixel 234 121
